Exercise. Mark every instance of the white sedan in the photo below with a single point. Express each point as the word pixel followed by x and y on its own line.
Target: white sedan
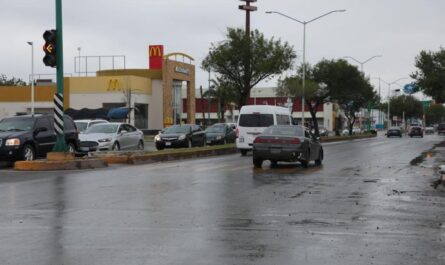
pixel 111 136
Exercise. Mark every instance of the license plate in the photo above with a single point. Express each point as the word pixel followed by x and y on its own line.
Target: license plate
pixel 275 150
pixel 168 144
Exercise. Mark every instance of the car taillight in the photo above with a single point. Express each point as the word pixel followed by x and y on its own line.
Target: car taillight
pixel 260 140
pixel 237 132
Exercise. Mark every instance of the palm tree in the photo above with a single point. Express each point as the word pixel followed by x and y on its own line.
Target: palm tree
pixel 223 93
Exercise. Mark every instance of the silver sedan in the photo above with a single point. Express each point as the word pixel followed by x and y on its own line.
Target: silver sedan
pixel 111 136
pixel 288 143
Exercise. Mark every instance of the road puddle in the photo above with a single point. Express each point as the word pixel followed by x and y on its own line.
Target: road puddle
pixel 425 156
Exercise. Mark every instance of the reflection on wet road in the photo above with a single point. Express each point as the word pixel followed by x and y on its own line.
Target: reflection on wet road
pixel 370 203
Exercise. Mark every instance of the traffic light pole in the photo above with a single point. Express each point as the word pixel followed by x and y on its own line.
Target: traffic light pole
pixel 60 145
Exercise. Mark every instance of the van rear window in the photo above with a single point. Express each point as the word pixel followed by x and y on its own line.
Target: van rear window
pixel 256 120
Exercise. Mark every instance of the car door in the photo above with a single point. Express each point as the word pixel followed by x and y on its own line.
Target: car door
pixel 198 135
pixel 230 135
pixel 314 146
pixel 44 136
pixel 123 137
pixel 133 136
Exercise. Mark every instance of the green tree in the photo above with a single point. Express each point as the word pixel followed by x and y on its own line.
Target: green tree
pixel 4 81
pixel 243 62
pixel 346 86
pixel 316 94
pixel 223 93
pixel 435 114
pixel 430 76
pixel 404 105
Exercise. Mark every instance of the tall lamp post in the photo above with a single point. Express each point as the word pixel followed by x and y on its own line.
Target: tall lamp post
pixel 304 23
pixel 365 61
pixel 389 99
pixel 32 76
pixel 78 49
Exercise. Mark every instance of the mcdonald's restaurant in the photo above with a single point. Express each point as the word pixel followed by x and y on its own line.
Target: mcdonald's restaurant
pixel 151 99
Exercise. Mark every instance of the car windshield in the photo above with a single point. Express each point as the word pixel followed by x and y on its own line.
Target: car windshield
pixel 256 120
pixel 284 131
pixel 82 126
pixel 17 124
pixel 177 129
pixel 216 129
pixel 103 128
pixel 394 128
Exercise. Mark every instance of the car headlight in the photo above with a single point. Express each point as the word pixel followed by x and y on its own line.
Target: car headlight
pixel 104 140
pixel 181 137
pixel 12 142
pixel 219 137
pixel 157 138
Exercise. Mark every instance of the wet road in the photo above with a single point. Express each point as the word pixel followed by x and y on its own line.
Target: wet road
pixel 370 203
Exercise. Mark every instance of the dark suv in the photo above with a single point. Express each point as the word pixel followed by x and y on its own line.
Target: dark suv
pixel 28 137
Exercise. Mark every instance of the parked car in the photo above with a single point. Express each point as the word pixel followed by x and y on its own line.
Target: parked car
pixel 113 136
pixel 232 125
pixel 415 131
pixel 321 130
pixel 28 137
pixel 220 133
pixel 83 125
pixel 429 130
pixel 180 135
pixel 287 143
pixel 441 128
pixel 394 131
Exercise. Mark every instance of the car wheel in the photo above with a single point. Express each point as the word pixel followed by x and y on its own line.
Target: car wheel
pixel 305 162
pixel 159 148
pixel 257 162
pixel 273 163
pixel 141 145
pixel 71 148
pixel 28 153
pixel 189 143
pixel 320 158
pixel 116 147
pixel 243 152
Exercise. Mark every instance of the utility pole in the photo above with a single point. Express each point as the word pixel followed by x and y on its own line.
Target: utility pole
pixel 60 145
pixel 248 8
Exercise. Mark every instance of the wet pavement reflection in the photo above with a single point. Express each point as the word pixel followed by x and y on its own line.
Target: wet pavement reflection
pixel 372 202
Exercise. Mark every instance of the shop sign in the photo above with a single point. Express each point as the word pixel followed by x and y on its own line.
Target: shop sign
pixel 156 54
pixel 182 70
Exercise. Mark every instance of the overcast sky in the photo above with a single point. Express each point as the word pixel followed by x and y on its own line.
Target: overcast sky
pixel 396 29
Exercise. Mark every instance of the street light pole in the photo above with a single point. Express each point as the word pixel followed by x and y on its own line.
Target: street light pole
pixel 78 49
pixel 304 23
pixel 32 77
pixel 389 96
pixel 362 63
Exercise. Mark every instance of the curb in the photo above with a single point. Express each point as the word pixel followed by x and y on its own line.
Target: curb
pixel 45 165
pixel 160 156
pixel 346 138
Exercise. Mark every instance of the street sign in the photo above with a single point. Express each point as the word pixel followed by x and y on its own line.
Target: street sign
pixel 408 88
pixel 248 8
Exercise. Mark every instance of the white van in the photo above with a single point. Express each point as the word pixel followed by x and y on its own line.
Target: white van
pixel 252 121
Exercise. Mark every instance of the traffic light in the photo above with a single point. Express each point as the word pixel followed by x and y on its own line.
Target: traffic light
pixel 50 48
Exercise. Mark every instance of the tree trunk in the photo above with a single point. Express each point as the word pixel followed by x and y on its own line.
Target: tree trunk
pixel 313 112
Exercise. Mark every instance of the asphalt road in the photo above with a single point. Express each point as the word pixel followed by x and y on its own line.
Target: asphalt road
pixel 372 202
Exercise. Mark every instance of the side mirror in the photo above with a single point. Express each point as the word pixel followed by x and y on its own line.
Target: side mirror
pixel 123 132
